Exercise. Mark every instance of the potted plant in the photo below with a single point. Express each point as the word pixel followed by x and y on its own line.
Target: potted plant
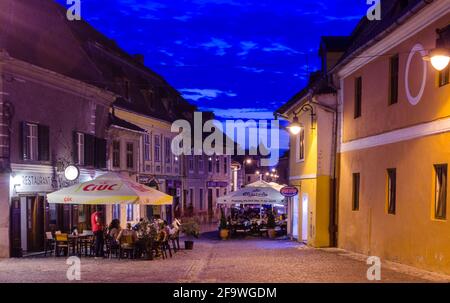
pixel 271 225
pixel 191 230
pixel 224 232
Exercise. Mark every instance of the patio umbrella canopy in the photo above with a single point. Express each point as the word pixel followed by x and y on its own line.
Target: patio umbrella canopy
pixel 253 195
pixel 111 188
pixel 262 183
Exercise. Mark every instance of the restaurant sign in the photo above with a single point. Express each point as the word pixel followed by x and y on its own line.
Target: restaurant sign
pixel 289 191
pixel 28 182
pixel 216 184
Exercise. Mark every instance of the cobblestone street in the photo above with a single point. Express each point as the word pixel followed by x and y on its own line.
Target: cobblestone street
pixel 247 260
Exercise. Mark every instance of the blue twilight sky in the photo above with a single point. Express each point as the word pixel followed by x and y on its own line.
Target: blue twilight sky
pixel 238 58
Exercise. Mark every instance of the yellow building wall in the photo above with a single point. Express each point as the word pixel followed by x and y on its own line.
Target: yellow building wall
pixel 411 236
pixel 312 178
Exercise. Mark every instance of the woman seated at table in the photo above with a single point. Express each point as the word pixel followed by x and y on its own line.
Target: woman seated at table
pixel 114 230
pixel 127 235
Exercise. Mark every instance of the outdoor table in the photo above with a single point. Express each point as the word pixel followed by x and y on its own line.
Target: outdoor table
pixel 76 241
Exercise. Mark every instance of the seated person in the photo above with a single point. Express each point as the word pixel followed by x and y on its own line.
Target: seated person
pixel 127 233
pixel 114 230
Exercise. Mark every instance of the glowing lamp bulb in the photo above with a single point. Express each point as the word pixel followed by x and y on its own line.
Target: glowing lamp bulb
pixel 295 127
pixel 439 58
pixel 440 62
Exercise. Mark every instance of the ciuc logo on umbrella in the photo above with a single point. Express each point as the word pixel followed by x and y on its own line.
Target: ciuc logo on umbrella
pixel 255 193
pixel 100 187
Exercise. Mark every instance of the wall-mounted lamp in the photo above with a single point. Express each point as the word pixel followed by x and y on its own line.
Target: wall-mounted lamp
pixel 295 127
pixel 71 173
pixel 440 56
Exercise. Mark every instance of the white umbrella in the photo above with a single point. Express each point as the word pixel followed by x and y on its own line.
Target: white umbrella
pixel 111 188
pixel 261 183
pixel 253 195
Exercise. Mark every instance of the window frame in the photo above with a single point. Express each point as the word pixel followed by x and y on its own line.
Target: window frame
pixel 442 214
pixel 116 161
pixel 32 141
pixel 80 148
pixel 394 68
pixel 148 147
pixel 167 150
pixel 130 153
pixel 300 148
pixel 356 191
pixel 444 77
pixel 191 164
pixel 358 98
pixel 217 170
pixel 391 191
pixel 157 147
pixel 130 212
pixel 200 201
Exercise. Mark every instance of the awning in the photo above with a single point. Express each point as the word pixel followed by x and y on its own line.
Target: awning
pixel 111 188
pixel 253 195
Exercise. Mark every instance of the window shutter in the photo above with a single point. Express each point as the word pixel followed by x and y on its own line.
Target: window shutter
pixel 24 141
pixel 75 147
pixel 100 153
pixel 43 143
pixel 89 150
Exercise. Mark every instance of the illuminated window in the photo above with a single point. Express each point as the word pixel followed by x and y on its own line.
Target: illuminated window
pixel 392 190
pixel 116 211
pixel 130 212
pixel 444 76
pixel 440 197
pixel 301 145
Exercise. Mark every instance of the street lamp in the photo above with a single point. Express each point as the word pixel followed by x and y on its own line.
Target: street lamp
pixel 295 127
pixel 246 161
pixel 440 56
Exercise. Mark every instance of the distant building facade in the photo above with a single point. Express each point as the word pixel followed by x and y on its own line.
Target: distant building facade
pixel 51 117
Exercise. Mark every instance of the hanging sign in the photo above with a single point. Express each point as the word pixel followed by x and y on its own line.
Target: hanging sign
pixel 289 191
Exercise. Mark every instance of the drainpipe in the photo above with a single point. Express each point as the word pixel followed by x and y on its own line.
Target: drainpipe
pixel 333 199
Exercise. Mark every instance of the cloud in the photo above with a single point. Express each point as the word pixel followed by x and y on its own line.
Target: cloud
pixel 252 69
pixel 241 113
pixel 219 45
pixel 325 19
pixel 138 5
pixel 166 52
pixel 183 18
pixel 220 2
pixel 196 94
pixel 247 46
pixel 278 47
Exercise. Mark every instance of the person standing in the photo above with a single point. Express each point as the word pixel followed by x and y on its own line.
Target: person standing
pixel 97 228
